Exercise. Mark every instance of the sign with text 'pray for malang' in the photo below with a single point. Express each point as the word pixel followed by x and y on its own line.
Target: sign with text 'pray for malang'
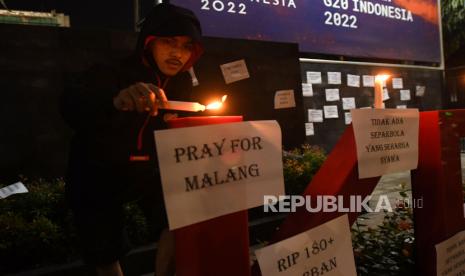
pixel 214 170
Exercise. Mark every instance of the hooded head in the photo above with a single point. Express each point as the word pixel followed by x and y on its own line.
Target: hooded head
pixel 167 23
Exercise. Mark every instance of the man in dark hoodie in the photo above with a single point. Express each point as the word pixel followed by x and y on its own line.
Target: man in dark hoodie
pixel 114 111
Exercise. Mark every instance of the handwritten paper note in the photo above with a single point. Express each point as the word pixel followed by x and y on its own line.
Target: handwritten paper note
pixel 324 250
pixel 203 188
pixel 331 111
pixel 235 71
pixel 420 90
pixel 450 256
pixel 17 188
pixel 315 115
pixel 307 90
pixel 332 94
pixel 314 77
pixel 386 140
pixel 284 99
pixel 309 130
pixel 348 118
pixel 397 83
pixel 348 103
pixel 353 80
pixel 405 95
pixel 334 77
pixel 368 81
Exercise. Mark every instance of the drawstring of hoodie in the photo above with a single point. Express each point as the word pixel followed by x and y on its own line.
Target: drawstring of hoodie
pixel 142 129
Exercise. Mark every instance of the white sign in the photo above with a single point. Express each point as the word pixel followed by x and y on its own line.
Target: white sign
pixel 323 250
pixel 284 99
pixel 348 103
pixel 386 139
pixel 450 256
pixel 235 71
pixel 405 95
pixel 331 111
pixel 353 80
pixel 401 107
pixel 307 90
pixel 334 77
pixel 332 94
pixel 17 188
pixel 314 77
pixel 309 130
pixel 214 170
pixel 397 83
pixel 347 118
pixel 420 90
pixel 315 115
pixel 368 81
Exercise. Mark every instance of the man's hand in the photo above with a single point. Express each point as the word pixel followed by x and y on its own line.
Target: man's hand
pixel 140 97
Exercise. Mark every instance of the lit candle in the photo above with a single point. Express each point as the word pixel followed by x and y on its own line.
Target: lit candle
pixel 379 83
pixel 217 104
pixel 183 106
pixel 193 106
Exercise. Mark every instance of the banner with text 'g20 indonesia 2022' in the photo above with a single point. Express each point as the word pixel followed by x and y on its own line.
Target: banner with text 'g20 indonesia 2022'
pixel 388 29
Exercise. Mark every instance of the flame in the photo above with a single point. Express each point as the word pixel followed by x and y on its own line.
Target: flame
pixel 217 104
pixel 382 78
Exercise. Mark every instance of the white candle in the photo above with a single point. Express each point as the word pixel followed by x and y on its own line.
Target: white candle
pixel 380 79
pixel 183 106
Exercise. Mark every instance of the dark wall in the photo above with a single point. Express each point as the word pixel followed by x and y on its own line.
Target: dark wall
pixel 36 61
pixel 327 133
pixel 272 67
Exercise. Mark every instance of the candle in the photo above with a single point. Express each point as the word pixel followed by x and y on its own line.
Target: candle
pixel 192 106
pixel 379 83
pixel 183 106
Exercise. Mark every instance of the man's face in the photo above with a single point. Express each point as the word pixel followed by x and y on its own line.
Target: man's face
pixel 172 53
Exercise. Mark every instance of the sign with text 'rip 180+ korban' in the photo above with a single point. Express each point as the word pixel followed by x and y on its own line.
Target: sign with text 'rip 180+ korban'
pixel 214 170
pixel 323 250
pixel 391 29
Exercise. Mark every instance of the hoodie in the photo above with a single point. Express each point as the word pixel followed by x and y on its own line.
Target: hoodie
pixel 105 139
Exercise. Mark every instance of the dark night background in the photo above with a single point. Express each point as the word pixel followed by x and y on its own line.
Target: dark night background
pixel 86 14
